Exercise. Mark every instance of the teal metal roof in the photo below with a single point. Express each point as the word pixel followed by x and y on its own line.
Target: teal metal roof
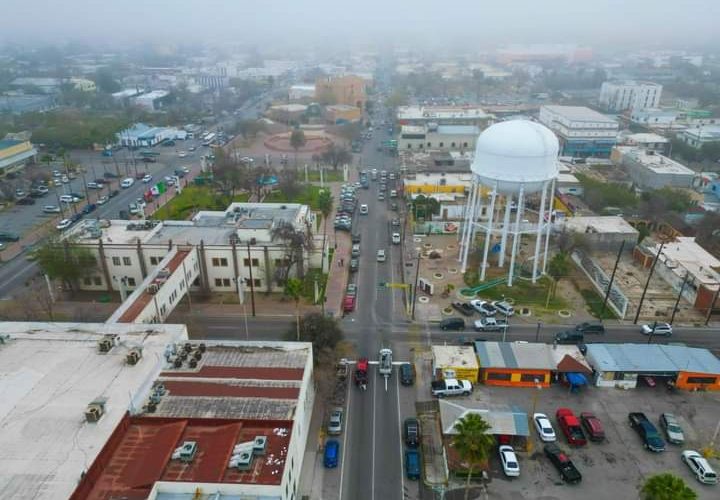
pixel 651 358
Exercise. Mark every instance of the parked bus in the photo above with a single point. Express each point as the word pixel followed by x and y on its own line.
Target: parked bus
pixel 209 139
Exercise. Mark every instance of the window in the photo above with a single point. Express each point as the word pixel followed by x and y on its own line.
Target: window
pixel 256 282
pixel 281 262
pixel 116 261
pixel 465 144
pixel 255 262
pixel 97 281
pixel 154 261
pixel 226 282
pixel 222 282
pixel 452 145
pixel 442 144
pixel 218 282
pixel 499 376
pixel 219 262
pixel 127 261
pixel 532 377
pixel 701 380
pixel 131 282
pixel 429 144
pixel 409 146
pixel 87 281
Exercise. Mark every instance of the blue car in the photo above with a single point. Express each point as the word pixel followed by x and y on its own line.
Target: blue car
pixel 332 452
pixel 90 207
pixel 412 464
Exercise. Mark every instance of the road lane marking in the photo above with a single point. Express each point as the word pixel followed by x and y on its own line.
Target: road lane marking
pixel 402 476
pixel 345 437
pixel 372 475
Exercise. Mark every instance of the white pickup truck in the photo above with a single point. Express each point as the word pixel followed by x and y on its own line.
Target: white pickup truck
pixel 490 324
pixel 451 387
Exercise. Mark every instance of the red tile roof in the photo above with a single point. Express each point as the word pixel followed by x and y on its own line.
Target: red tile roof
pixel 140 453
pixel 242 372
pixel 213 389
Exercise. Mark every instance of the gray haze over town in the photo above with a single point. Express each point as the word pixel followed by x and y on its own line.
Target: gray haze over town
pixel 303 250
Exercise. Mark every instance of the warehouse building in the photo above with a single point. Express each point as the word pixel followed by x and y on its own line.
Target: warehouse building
pixel 582 132
pixel 649 170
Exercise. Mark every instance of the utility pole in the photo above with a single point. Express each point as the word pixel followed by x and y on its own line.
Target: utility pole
pixel 647 283
pixel 252 284
pixel 677 302
pixel 612 279
pixel 414 293
pixel 712 306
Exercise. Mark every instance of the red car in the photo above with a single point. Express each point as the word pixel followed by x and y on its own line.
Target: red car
pixel 570 426
pixel 349 303
pixel 593 427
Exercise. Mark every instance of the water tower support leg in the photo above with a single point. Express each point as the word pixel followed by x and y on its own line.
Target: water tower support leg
pixel 506 227
pixel 549 224
pixel 488 233
pixel 467 227
pixel 516 236
pixel 538 233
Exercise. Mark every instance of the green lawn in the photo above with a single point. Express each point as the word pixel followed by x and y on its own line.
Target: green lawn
pixel 194 198
pixel 524 293
pixel 328 176
pixel 308 196
pixel 594 302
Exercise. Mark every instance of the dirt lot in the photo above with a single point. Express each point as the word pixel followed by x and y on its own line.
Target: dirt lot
pixel 614 469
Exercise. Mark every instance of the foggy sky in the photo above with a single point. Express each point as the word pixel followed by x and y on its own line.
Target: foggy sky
pixel 426 22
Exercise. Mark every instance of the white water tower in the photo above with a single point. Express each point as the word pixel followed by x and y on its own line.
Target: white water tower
pixel 513 159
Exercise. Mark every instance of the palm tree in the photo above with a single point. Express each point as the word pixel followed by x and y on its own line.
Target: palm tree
pixel 472 443
pixel 666 486
pixel 293 288
pixel 325 204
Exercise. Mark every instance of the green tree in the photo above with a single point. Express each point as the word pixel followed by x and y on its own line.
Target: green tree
pixel 297 140
pixel 473 443
pixel 666 486
pixel 65 261
pixel 105 82
pixel 322 331
pixel 424 207
pixel 293 289
pixel 325 205
pixel 288 183
pixel 558 268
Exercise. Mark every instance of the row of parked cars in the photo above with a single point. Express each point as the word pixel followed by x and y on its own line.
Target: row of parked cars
pixel 488 310
pixel 578 431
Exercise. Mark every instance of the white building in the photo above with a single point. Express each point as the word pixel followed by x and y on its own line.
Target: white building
pixel 438 137
pixel 231 244
pixel 116 411
pixel 152 101
pixel 301 92
pixel 697 137
pixel 649 170
pixel 648 141
pixel 582 132
pixel 444 115
pixel 142 135
pixel 654 118
pixel 629 94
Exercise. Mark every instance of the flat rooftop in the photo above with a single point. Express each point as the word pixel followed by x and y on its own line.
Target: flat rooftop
pixel 686 253
pixel 237 392
pixel 440 112
pixel 580 114
pixel 458 130
pixel 454 356
pixel 652 358
pixel 515 355
pixel 49 373
pixel 600 224
pixel 658 163
pixel 645 138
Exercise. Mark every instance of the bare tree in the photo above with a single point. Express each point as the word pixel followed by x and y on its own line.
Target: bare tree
pixel 297 244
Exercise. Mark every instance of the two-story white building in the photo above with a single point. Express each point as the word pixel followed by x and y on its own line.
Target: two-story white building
pixel 434 137
pixel 233 244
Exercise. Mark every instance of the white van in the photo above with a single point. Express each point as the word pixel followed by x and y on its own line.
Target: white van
pixel 127 182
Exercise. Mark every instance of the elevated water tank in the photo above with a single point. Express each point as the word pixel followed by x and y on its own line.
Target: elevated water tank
pixel 514 153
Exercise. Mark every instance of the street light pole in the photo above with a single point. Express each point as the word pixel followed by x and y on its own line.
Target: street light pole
pixel 647 283
pixel 677 302
pixel 612 280
pixel 537 332
pixel 414 292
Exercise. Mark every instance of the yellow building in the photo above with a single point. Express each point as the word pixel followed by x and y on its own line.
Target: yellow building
pixel 455 359
pixel 15 154
pixel 348 90
pixel 339 113
pixel 429 183
pixel 83 84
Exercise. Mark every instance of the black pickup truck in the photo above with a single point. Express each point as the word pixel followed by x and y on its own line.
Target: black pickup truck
pixel 568 471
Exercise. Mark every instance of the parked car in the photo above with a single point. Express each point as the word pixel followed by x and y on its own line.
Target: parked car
pixel 90 207
pixel 569 337
pixel 411 432
pixel 412 464
pixel 396 238
pixel 483 307
pixel 66 198
pixel 570 426
pixel 395 223
pixel 490 324
pixel 147 178
pixel 592 426
pixel 354 265
pixel 381 255
pixel 504 307
pixel 363 209
pixel 673 431
pixel 351 289
pixel 544 428
pixel 102 200
pixel 355 252
pixel 509 461
pixel 407 374
pixel 64 224
pixel 94 185
pixel 126 183
pixel 568 471
pixel 453 323
pixel 647 431
pixel 663 329
pixel 463 308
pixel 331 454
pixel 699 466
pixel 590 327
pixel 349 303
pixel 336 421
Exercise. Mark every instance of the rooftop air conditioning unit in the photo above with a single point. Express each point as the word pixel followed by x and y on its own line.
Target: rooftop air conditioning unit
pixel 186 452
pixel 242 461
pixel 153 288
pixel 134 356
pixel 95 411
pixel 105 344
pixel 259 445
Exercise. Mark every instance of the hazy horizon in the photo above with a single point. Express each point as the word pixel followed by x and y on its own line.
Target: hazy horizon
pixel 311 22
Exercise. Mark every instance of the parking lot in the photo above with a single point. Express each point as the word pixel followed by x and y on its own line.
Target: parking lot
pixel 616 468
